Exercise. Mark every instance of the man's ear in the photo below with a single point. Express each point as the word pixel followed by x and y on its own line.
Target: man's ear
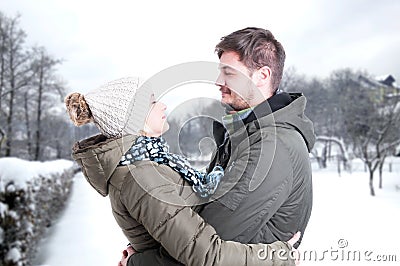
pixel 262 76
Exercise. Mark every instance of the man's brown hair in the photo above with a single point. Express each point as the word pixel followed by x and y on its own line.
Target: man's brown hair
pixel 256 48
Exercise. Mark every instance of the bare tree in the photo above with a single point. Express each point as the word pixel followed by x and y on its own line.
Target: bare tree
pixel 43 81
pixel 3 39
pixel 29 91
pixel 292 81
pixel 371 122
pixel 16 71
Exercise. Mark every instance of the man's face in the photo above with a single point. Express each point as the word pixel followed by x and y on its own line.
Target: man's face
pixel 235 83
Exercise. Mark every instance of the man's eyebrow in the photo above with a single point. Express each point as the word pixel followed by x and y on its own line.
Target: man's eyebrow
pixel 225 67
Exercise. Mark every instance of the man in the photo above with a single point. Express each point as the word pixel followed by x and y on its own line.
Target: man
pixel 263 146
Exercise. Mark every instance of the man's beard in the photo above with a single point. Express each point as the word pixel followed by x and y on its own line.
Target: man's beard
pixel 236 106
pixel 241 103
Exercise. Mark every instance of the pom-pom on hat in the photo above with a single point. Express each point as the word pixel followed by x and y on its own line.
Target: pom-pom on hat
pixel 117 108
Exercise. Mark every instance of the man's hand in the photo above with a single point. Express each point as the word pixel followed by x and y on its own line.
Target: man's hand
pixel 294 238
pixel 125 255
pixel 293 241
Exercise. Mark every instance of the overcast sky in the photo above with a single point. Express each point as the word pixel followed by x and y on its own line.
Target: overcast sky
pixel 104 40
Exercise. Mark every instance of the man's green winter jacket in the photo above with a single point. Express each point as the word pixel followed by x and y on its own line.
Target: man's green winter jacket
pixel 266 193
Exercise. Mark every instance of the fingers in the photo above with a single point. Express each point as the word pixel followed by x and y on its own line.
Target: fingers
pixel 125 255
pixel 293 241
pixel 294 238
pixel 130 250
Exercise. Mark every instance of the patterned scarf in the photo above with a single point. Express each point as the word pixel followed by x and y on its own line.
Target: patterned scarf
pixel 157 150
pixel 230 120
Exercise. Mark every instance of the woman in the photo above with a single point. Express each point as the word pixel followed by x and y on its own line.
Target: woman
pixel 150 199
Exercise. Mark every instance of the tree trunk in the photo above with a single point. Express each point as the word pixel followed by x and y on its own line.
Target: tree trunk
pixel 329 149
pixel 324 156
pixel 319 161
pixel 9 130
pixel 10 117
pixel 59 149
pixel 371 182
pixel 2 64
pixel 380 174
pixel 28 128
pixel 1 74
pixel 39 112
pixel 2 138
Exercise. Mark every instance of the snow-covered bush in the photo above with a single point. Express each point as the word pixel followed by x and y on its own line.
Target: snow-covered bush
pixel 32 194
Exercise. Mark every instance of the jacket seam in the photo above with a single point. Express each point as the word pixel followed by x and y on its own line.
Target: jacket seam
pixel 195 236
pixel 289 153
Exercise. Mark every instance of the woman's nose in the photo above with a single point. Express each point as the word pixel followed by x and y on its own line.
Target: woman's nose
pixel 163 106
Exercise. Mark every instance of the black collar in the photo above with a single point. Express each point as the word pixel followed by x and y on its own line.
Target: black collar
pixel 274 103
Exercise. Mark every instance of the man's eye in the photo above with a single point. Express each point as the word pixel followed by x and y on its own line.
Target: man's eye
pixel 228 73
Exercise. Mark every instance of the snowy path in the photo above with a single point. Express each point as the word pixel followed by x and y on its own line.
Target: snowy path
pixel 85 234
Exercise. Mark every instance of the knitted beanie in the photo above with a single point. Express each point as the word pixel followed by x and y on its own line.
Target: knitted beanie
pixel 119 107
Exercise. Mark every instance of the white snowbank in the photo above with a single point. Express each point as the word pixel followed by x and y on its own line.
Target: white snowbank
pixel 13 255
pixel 45 188
pixel 20 171
pixel 3 209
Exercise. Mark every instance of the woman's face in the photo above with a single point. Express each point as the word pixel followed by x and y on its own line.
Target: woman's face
pixel 156 122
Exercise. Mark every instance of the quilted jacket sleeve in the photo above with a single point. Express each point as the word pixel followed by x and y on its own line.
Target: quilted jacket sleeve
pixel 154 201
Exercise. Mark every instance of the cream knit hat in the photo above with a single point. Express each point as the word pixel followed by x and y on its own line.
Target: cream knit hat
pixel 119 107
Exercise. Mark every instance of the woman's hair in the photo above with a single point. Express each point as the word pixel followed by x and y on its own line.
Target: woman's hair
pixel 78 109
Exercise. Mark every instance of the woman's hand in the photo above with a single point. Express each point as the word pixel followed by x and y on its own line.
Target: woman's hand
pixel 293 241
pixel 125 255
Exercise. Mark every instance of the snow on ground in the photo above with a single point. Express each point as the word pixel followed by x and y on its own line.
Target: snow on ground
pixel 345 218
pixel 21 171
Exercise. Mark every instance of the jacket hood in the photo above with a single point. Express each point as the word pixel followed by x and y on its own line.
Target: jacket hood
pixel 292 115
pixel 99 156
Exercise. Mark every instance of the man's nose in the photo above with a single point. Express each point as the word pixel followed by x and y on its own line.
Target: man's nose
pixel 220 80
